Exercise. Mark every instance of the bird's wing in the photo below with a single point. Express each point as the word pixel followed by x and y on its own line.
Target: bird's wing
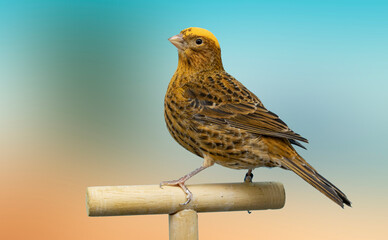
pixel 221 99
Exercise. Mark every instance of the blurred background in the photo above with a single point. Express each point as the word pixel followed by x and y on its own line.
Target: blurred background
pixel 82 85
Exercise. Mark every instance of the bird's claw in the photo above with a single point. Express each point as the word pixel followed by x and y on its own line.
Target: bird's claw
pixel 248 177
pixel 185 203
pixel 180 183
pixel 189 195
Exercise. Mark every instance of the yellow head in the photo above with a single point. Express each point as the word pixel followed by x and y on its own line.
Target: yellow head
pixel 198 49
pixel 201 33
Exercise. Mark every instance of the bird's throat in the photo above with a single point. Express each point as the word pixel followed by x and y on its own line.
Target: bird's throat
pixel 193 62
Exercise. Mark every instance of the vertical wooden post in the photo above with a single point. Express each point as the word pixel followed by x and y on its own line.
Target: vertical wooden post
pixel 183 225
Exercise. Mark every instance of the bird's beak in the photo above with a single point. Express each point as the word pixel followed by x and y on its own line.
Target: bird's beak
pixel 178 41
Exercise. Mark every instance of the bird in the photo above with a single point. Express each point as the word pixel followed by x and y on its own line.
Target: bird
pixel 214 116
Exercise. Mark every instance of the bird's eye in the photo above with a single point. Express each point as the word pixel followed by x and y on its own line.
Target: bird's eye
pixel 198 41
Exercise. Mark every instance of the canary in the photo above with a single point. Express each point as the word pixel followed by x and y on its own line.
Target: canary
pixel 214 116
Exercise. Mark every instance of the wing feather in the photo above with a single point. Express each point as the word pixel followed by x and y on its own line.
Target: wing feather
pixel 227 101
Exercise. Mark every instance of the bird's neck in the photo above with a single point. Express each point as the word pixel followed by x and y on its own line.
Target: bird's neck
pixel 191 62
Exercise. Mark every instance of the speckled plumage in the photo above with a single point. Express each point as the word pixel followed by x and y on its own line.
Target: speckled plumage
pixel 214 116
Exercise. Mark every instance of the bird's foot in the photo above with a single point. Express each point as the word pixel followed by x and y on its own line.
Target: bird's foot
pixel 180 183
pixel 249 176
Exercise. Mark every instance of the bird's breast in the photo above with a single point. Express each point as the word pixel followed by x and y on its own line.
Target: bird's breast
pixel 226 145
pixel 179 124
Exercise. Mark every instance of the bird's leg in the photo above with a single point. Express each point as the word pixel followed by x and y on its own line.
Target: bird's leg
pixel 249 176
pixel 248 179
pixel 181 183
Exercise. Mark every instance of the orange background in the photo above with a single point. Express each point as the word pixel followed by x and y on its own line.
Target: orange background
pixel 81 104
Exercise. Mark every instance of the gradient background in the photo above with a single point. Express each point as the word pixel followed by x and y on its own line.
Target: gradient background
pixel 81 104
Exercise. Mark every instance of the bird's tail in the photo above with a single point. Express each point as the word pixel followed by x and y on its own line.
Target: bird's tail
pixel 310 175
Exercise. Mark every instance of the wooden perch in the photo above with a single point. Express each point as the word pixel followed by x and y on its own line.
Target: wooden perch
pixel 151 199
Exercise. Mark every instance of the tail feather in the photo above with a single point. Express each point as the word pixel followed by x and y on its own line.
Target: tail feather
pixel 308 173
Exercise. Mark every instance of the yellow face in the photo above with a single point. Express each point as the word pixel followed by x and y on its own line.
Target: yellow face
pixel 200 33
pixel 198 50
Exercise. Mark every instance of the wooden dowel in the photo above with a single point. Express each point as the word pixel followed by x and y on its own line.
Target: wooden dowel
pixel 183 225
pixel 151 199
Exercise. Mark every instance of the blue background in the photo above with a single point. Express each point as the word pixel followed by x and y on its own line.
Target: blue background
pixel 82 90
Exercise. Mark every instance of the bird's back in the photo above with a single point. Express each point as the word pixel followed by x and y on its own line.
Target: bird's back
pixel 201 113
